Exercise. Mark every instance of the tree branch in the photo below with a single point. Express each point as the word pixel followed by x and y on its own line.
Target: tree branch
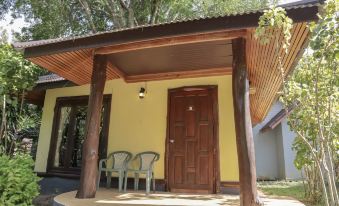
pixel 115 20
pixel 88 13
pixel 129 11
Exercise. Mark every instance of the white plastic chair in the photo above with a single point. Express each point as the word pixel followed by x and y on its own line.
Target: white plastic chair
pixel 146 163
pixel 119 164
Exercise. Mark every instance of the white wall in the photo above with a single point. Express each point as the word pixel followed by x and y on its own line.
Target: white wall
pixel 266 146
pixel 288 138
pixel 273 149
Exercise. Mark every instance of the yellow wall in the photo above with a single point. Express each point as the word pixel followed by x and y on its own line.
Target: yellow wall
pixel 139 125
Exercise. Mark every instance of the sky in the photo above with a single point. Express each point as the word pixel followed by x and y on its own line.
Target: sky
pixel 19 23
pixel 15 26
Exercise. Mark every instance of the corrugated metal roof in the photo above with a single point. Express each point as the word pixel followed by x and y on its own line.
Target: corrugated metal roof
pixel 290 6
pixel 49 78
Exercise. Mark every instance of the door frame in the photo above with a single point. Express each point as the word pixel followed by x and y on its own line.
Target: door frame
pixel 216 160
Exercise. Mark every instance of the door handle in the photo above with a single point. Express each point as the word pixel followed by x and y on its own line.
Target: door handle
pixel 172 141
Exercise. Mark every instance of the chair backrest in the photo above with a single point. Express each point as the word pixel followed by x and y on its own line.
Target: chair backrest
pixel 147 159
pixel 120 159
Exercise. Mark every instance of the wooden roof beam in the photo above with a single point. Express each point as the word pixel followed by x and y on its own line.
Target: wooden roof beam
pixel 179 75
pixel 170 41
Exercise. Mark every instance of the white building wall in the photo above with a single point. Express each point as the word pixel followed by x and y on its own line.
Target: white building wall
pixel 288 136
pixel 273 149
pixel 266 146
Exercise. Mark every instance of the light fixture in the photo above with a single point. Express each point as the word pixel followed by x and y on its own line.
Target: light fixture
pixel 253 90
pixel 142 92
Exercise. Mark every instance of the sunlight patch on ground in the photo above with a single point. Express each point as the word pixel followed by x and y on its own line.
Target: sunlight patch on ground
pixel 168 199
pixel 107 197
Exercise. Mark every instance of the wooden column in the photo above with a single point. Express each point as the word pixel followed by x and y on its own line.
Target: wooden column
pixel 89 168
pixel 243 125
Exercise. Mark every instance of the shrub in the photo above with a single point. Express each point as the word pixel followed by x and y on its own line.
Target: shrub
pixel 18 182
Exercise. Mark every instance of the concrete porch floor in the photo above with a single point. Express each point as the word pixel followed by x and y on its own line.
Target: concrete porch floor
pixel 110 197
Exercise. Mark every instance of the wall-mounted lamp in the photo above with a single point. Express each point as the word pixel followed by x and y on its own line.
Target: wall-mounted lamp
pixel 253 90
pixel 142 92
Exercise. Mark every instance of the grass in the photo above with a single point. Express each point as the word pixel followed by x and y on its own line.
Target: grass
pixel 294 189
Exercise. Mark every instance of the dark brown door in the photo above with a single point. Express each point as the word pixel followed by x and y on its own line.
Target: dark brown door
pixel 191 140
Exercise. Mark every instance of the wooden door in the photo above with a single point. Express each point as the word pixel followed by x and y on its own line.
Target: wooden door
pixel 191 140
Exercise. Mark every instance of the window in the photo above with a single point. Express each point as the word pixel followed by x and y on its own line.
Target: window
pixel 68 133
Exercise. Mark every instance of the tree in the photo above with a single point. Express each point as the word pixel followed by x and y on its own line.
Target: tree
pixel 17 75
pixel 4 7
pixel 59 18
pixel 313 92
pixel 314 89
pixel 3 35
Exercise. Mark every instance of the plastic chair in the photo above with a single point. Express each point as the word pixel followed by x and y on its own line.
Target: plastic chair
pixel 146 163
pixel 120 161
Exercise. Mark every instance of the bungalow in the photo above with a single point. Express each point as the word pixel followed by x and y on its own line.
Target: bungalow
pixel 197 111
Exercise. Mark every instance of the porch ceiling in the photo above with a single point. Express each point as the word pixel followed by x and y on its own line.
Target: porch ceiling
pixel 263 68
pixel 195 48
pixel 184 57
pixel 207 58
pixel 174 57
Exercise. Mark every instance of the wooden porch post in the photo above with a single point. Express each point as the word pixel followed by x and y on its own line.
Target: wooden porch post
pixel 89 167
pixel 243 126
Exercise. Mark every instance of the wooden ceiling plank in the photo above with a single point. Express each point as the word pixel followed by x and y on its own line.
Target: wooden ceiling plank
pixel 259 100
pixel 75 61
pixel 42 62
pixel 250 54
pixel 248 51
pixel 299 36
pixel 77 67
pixel 179 75
pixel 268 70
pixel 250 58
pixel 259 70
pixel 64 68
pixel 86 54
pixel 275 73
pixel 116 70
pixel 262 67
pixel 83 65
pixel 56 69
pixel 303 38
pixel 110 74
pixel 170 41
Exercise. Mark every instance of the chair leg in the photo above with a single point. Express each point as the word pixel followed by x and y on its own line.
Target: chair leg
pixel 125 184
pixel 148 183
pixel 120 180
pixel 136 181
pixel 109 176
pixel 153 182
pixel 98 180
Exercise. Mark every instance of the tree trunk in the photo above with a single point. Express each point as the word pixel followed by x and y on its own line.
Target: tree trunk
pixel 89 16
pixel 243 126
pixel 89 168
pixel 154 11
pixel 3 118
pixel 130 13
pixel 115 18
